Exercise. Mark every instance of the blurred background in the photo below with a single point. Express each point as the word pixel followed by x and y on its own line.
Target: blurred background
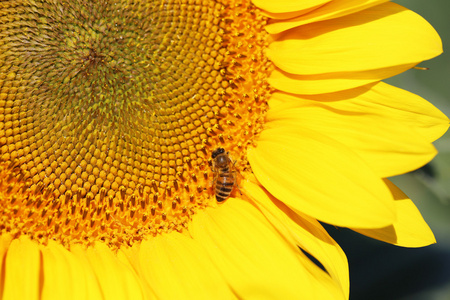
pixel 383 271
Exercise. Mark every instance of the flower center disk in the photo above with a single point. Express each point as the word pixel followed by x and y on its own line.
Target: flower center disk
pixel 109 112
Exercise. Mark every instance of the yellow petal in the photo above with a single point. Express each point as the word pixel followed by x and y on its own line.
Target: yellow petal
pixel 320 177
pixel 302 232
pixel 176 267
pixel 406 107
pixel 330 82
pixel 371 123
pixel 331 10
pixel 116 279
pixel 22 270
pixel 286 15
pixel 255 260
pixel 381 99
pixel 380 37
pixel 66 276
pixel 131 255
pixel 409 230
pixel 5 241
pixel 287 5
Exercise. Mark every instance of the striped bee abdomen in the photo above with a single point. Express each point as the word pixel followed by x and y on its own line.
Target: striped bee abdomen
pixel 224 179
pixel 224 185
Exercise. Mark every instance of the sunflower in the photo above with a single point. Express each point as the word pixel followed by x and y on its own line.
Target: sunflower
pixel 110 111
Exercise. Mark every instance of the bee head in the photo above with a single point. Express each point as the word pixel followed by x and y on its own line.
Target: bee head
pixel 217 152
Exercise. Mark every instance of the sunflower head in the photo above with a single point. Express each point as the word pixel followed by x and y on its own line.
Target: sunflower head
pixel 110 111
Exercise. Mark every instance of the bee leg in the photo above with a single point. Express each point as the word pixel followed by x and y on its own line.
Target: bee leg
pixel 235 181
pixel 234 175
pixel 234 170
pixel 212 184
pixel 237 185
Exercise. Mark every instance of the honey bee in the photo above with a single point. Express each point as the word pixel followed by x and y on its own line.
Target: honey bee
pixel 224 177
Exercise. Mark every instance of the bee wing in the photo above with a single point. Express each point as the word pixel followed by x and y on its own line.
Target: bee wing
pixel 212 184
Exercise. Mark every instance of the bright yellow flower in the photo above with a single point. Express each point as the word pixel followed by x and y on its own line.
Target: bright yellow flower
pixel 109 114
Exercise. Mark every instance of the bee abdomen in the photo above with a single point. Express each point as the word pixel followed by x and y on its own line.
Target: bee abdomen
pixel 224 178
pixel 224 186
pixel 222 195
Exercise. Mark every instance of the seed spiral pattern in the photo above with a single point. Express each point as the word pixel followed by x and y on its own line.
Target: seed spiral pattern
pixel 109 112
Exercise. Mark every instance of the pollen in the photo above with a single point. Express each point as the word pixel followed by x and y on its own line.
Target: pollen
pixel 110 110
